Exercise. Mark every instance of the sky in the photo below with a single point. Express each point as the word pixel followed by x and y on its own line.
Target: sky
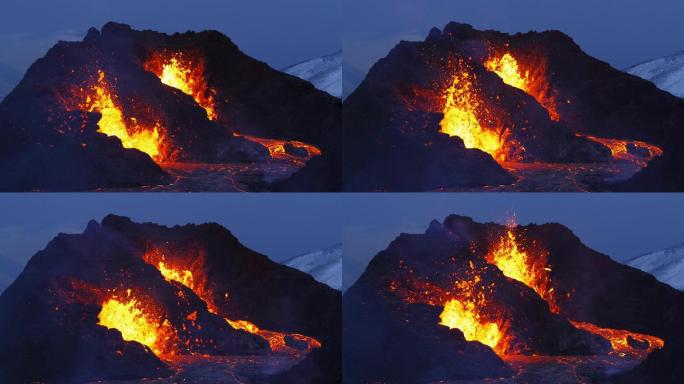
pixel 620 32
pixel 281 226
pixel 278 32
pixel 278 225
pixel 622 226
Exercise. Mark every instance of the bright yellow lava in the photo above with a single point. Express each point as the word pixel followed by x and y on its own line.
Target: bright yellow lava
pixel 507 68
pixel 179 76
pixel 130 321
pixel 112 121
pixel 466 319
pixel 184 277
pixel 511 260
pixel 460 119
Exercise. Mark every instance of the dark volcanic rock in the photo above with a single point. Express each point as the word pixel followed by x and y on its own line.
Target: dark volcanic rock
pixel 397 109
pixel 45 110
pixel 49 316
pixel 388 319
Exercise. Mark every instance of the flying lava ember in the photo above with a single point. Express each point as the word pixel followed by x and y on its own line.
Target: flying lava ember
pixel 186 73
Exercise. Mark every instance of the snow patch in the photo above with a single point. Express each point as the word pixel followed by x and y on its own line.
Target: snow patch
pixel 325 73
pixel 666 265
pixel 324 265
pixel 667 73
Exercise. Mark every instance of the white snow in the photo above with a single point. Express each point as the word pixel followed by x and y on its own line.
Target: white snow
pixel 325 265
pixel 325 73
pixel 666 265
pixel 667 73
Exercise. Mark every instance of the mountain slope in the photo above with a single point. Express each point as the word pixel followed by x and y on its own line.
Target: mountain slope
pixel 666 265
pixel 324 265
pixel 325 73
pixel 667 73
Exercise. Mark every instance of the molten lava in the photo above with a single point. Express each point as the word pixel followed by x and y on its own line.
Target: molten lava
pixel 128 316
pixel 516 264
pixel 512 73
pixel 184 276
pixel 633 151
pixel 186 73
pixel 461 109
pixel 465 317
pixel 624 342
pixel 101 99
pixel 277 150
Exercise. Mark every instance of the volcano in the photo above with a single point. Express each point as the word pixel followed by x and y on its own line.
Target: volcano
pixel 475 302
pixel 141 110
pixel 487 111
pixel 127 301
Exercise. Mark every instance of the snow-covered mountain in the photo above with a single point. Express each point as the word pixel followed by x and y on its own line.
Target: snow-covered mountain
pixel 667 73
pixel 324 265
pixel 325 73
pixel 9 78
pixel 666 265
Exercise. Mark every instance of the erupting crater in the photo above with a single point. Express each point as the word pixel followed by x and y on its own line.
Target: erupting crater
pixel 515 302
pixel 483 110
pixel 133 301
pixel 141 110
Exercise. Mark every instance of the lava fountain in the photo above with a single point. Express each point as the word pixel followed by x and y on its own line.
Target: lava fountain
pixel 461 110
pixel 100 98
pixel 185 73
pixel 130 317
pixel 509 69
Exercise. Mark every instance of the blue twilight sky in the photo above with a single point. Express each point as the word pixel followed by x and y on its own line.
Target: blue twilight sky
pixel 278 32
pixel 620 225
pixel 621 32
pixel 277 225
pixel 284 225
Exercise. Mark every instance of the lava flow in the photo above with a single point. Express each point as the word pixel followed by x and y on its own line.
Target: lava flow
pixel 514 74
pixel 186 73
pixel 184 275
pixel 461 116
pixel 633 151
pixel 99 97
pixel 129 316
pixel 294 151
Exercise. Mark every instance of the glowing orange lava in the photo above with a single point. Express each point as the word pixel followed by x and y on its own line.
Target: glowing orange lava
pixel 276 148
pixel 186 73
pixel 465 317
pixel 517 264
pixel 619 149
pixel 112 123
pixel 184 276
pixel 620 340
pixel 128 316
pixel 509 70
pixel 461 109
